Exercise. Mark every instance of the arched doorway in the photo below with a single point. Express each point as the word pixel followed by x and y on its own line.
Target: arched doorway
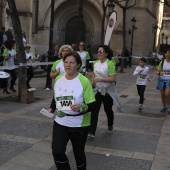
pixel 72 31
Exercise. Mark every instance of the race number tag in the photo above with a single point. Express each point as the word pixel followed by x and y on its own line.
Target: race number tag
pixel 141 77
pixel 166 72
pixel 64 102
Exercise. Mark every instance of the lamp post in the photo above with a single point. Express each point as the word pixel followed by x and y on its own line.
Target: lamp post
pixel 133 21
pixel 166 38
pixel 51 26
pixel 155 31
pixel 110 7
pixel 163 35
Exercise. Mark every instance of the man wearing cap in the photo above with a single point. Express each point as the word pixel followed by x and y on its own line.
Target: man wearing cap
pixel 9 34
pixel 30 57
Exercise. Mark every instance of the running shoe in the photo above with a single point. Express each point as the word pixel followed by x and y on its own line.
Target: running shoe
pixel 12 89
pixel 47 88
pixel 6 91
pixel 90 135
pixel 164 109
pixel 110 128
pixel 140 107
pixel 168 110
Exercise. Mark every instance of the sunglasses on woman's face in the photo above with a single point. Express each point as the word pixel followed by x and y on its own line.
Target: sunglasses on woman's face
pixel 101 52
pixel 81 45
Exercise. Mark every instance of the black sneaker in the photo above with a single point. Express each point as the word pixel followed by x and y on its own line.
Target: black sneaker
pixel 110 128
pixel 140 107
pixel 12 89
pixel 6 91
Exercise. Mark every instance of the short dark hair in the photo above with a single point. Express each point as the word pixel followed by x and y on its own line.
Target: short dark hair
pixel 75 55
pixel 143 59
pixel 9 44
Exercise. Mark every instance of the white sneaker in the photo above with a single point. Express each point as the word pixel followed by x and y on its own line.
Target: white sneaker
pixel 90 135
pixel 47 88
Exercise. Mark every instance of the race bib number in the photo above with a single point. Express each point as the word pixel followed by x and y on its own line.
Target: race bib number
pixel 142 77
pixel 64 102
pixel 166 72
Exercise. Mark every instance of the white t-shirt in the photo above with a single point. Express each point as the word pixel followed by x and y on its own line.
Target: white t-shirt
pixel 102 70
pixel 141 76
pixel 83 58
pixel 58 64
pixel 166 70
pixel 31 57
pixel 10 61
pixel 76 91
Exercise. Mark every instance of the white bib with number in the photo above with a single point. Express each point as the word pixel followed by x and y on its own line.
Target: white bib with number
pixel 64 102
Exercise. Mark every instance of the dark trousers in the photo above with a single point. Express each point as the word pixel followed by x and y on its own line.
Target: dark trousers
pixel 13 76
pixel 30 74
pixel 108 103
pixel 60 138
pixel 141 91
pixel 48 80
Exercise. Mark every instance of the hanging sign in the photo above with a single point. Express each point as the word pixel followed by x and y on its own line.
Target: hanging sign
pixel 110 26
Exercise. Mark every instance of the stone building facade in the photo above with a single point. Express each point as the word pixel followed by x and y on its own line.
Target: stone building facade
pixel 35 20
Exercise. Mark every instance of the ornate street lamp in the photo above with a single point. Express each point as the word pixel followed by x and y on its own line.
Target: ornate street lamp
pixel 163 35
pixel 133 22
pixel 166 38
pixel 110 7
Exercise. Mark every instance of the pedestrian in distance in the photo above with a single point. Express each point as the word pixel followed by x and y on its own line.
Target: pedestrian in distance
pixel 3 38
pixel 55 50
pixel 24 38
pixel 84 56
pixel 142 73
pixel 9 55
pixel 103 75
pixel 9 34
pixel 58 66
pixel 163 71
pixel 50 58
pixel 72 120
pixel 30 58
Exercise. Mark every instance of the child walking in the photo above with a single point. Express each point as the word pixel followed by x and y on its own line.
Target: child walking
pixel 142 73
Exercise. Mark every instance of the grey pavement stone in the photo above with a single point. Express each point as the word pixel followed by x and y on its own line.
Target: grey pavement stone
pixel 103 162
pixel 125 141
pixel 11 106
pixel 9 150
pixel 26 128
pixel 141 123
pixel 32 159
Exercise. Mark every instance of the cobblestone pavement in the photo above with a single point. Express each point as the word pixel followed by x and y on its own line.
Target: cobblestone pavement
pixel 140 141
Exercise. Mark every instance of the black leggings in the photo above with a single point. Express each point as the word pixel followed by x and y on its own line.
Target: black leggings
pixel 13 77
pixel 60 138
pixel 141 91
pixel 108 103
pixel 30 74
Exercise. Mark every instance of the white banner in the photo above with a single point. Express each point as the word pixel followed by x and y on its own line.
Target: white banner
pixel 110 27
